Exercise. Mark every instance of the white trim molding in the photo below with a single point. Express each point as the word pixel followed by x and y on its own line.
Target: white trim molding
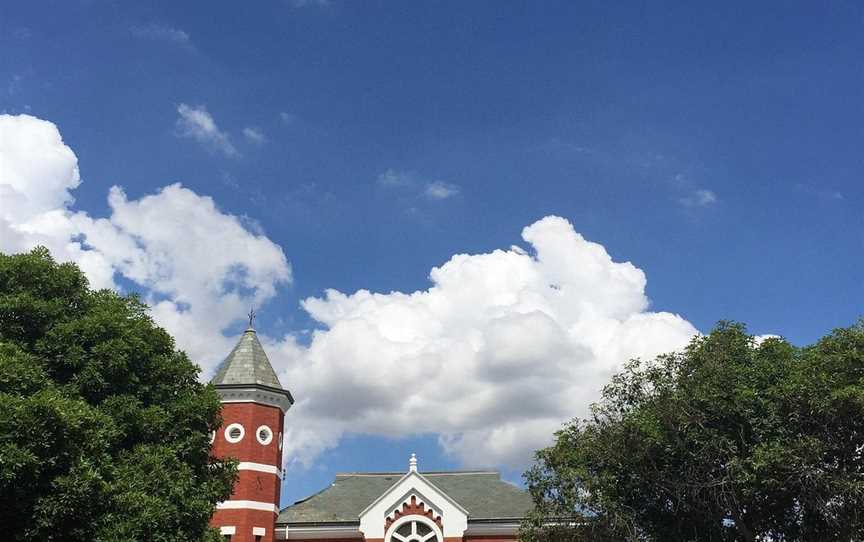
pixel 228 530
pixel 248 505
pixel 260 467
pixel 504 528
pixel 318 533
pixel 254 394
pixel 259 531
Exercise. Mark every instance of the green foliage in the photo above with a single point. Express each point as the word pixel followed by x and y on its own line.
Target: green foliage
pixel 727 440
pixel 103 423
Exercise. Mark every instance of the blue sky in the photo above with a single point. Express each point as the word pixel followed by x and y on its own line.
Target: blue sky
pixel 718 149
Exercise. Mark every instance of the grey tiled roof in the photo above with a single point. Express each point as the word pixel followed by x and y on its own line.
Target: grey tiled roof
pixel 483 494
pixel 247 364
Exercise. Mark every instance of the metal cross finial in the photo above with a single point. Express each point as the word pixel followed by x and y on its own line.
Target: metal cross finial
pixel 252 316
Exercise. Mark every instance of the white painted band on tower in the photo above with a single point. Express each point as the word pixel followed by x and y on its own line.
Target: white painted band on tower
pixel 248 505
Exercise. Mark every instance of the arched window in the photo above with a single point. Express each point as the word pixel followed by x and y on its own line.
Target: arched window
pixel 413 529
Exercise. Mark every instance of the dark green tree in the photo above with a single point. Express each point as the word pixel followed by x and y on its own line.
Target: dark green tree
pixel 104 426
pixel 727 440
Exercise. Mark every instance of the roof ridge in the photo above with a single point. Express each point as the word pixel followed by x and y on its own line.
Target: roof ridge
pixel 424 473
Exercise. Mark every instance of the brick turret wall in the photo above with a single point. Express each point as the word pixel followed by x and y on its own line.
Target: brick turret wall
pixel 244 516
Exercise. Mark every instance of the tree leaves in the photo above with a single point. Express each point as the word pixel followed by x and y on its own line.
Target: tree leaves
pixel 728 440
pixel 103 424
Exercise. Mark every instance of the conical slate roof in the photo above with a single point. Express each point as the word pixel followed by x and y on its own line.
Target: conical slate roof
pixel 247 364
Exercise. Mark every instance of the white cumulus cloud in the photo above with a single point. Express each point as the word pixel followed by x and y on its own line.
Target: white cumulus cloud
pixel 198 267
pixel 197 123
pixel 38 173
pixel 493 357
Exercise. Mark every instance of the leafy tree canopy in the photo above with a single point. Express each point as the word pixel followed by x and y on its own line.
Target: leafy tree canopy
pixel 731 439
pixel 104 426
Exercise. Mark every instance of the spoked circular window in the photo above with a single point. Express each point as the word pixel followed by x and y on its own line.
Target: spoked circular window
pixel 414 529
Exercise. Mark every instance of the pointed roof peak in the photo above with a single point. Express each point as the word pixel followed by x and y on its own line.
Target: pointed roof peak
pixel 247 364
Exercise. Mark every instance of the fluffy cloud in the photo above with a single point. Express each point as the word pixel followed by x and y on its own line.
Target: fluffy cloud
pixel 197 123
pixel 198 281
pixel 37 175
pixel 500 350
pixel 493 357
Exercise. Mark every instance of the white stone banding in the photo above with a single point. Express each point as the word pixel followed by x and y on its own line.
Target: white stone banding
pixel 248 505
pixel 260 467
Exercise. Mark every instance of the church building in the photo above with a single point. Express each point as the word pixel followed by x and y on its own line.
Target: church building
pixel 407 506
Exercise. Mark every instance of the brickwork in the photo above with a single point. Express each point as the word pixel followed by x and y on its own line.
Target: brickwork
pixel 252 485
pixel 413 508
pixel 256 486
pixel 243 521
pixel 250 416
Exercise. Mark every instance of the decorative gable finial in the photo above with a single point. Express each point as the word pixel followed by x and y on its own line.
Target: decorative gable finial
pixel 412 463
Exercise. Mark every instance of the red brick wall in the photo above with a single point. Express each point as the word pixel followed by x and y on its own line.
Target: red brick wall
pixel 412 508
pixel 243 521
pixel 250 416
pixel 256 486
pixel 251 485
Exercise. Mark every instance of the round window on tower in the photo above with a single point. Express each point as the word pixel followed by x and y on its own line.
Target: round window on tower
pixel 264 435
pixel 212 436
pixel 234 433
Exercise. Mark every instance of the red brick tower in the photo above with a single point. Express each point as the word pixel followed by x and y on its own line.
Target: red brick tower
pixel 253 409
